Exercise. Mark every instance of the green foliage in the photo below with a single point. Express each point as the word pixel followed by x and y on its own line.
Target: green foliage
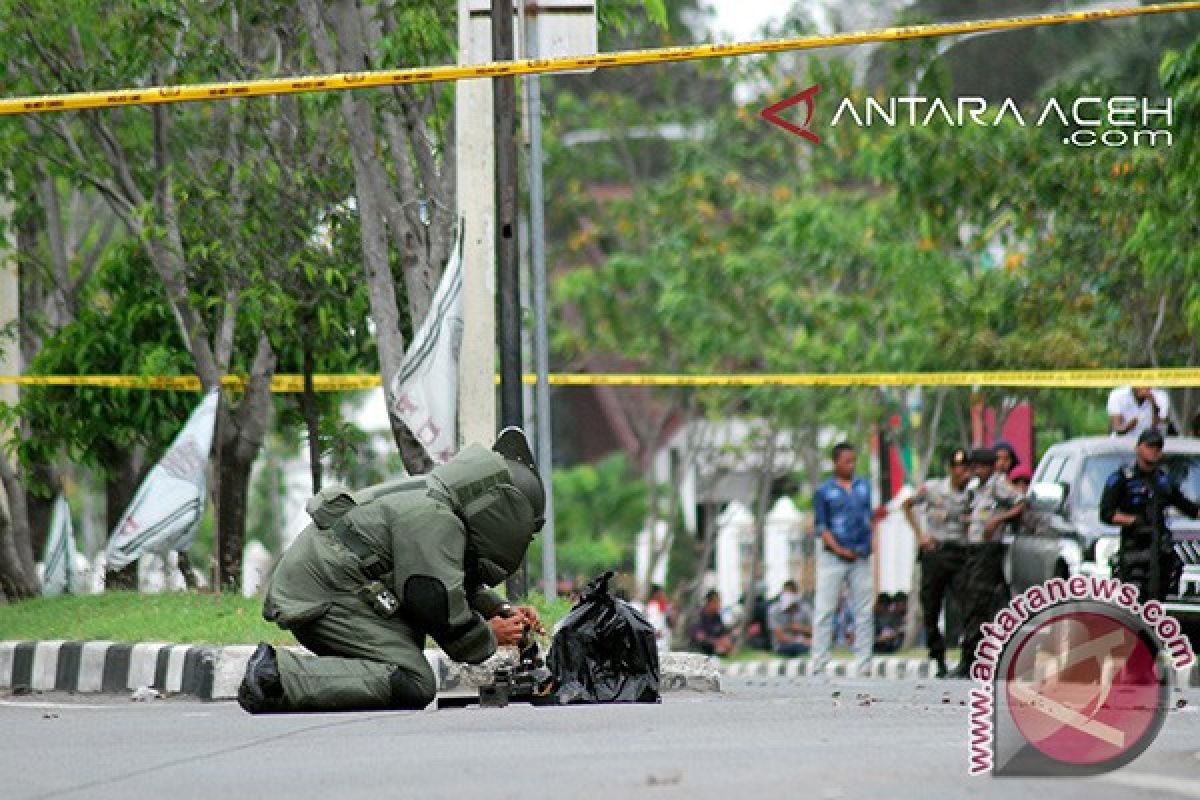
pixel 1095 239
pixel 617 18
pixel 240 206
pixel 124 327
pixel 264 519
pixel 598 510
pixel 907 248
pixel 550 611
pixel 186 617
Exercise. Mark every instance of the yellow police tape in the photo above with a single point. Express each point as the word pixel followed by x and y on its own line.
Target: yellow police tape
pixel 1049 379
pixel 154 95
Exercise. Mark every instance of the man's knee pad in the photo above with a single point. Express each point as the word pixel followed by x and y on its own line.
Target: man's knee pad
pixel 410 690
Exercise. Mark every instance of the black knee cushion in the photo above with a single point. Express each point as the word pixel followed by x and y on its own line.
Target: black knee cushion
pixel 411 690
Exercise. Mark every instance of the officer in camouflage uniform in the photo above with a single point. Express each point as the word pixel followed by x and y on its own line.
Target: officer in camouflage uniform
pixel 996 503
pixel 1136 497
pixel 381 568
pixel 942 554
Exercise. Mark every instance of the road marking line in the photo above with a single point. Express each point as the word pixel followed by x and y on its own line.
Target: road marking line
pixel 1159 783
pixel 22 704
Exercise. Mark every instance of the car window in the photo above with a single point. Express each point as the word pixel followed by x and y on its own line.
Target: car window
pixel 1049 469
pixel 1068 475
pixel 1096 471
pixel 1183 469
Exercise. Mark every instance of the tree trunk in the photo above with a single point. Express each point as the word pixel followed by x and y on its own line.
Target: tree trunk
pixel 931 435
pixel 765 479
pixel 312 417
pixel 18 580
pixel 233 489
pixel 689 597
pixel 120 485
pixel 412 452
pixel 384 176
pixel 40 507
pixel 185 569
pixel 239 439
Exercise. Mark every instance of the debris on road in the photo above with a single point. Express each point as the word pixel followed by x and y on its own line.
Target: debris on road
pixel 664 779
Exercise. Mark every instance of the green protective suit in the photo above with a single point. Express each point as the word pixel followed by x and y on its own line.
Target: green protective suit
pixel 436 542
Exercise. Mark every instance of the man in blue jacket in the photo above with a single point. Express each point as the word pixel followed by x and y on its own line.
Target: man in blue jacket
pixel 844 529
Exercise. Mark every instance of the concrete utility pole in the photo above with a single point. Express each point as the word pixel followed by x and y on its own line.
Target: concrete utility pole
pixel 476 207
pixel 537 237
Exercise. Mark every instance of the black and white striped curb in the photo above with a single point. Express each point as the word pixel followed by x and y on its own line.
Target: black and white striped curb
pixel 109 667
pixel 878 667
pixel 212 672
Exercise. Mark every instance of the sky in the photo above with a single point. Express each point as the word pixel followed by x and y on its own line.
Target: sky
pixel 740 19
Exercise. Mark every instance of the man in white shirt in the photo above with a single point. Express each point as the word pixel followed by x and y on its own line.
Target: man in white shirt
pixel 1133 409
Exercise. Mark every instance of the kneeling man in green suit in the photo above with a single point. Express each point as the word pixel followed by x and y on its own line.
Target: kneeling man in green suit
pixel 381 568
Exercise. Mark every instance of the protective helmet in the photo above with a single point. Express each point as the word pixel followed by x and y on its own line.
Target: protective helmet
pixel 498 496
pixel 512 444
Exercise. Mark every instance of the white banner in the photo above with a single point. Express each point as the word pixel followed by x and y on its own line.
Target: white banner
pixel 425 391
pixel 58 559
pixel 165 513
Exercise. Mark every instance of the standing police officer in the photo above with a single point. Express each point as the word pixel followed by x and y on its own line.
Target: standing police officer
pixel 997 502
pixel 1136 498
pixel 942 552
pixel 381 568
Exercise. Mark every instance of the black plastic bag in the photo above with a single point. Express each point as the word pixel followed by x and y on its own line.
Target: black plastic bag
pixel 604 651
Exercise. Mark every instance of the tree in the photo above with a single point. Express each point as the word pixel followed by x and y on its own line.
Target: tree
pixel 751 254
pixel 598 510
pixel 122 327
pixel 197 186
pixel 62 232
pixel 403 154
pixel 1088 278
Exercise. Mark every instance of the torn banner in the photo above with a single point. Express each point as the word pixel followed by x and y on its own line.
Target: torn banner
pixel 425 391
pixel 165 513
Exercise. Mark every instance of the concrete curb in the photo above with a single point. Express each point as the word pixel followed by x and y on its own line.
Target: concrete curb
pixel 214 672
pixel 889 667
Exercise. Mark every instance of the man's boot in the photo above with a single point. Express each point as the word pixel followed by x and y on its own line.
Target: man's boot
pixel 940 660
pixel 261 691
pixel 962 671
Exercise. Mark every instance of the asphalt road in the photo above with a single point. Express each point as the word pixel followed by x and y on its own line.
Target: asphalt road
pixel 761 738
